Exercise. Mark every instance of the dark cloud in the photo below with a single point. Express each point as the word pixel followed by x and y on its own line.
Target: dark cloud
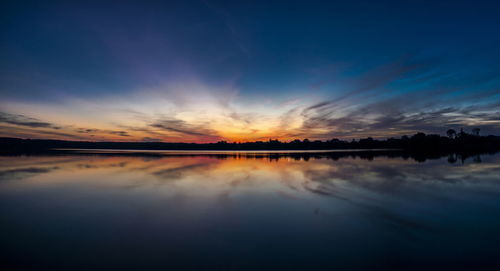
pixel 119 133
pixel 369 82
pixel 86 130
pixel 402 97
pixel 318 106
pixel 28 132
pixel 390 118
pixel 184 128
pixel 22 120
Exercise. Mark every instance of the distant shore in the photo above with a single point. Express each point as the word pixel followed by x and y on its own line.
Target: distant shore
pixel 418 143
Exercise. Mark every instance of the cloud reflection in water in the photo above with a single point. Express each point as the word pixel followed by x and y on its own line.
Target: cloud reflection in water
pixel 198 206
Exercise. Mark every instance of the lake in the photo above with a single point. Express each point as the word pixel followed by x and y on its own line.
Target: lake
pixel 248 211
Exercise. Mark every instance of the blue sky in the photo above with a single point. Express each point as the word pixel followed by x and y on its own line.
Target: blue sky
pixel 247 70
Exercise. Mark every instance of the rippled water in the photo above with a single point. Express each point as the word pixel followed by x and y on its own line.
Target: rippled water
pixel 199 212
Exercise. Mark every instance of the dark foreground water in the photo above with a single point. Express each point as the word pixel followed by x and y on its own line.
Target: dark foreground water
pixel 216 212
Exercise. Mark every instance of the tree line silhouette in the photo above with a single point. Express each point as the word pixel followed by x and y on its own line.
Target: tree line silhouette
pixel 419 142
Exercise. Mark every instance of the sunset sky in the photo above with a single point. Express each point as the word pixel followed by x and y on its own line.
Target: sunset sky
pixel 204 71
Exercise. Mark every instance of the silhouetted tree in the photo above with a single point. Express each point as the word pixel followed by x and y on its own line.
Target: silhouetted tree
pixel 477 159
pixel 475 131
pixel 464 143
pixel 452 158
pixel 451 133
pixel 462 133
pixel 418 136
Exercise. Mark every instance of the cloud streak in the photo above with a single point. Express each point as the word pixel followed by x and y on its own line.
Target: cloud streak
pixel 403 96
pixel 183 128
pixel 21 120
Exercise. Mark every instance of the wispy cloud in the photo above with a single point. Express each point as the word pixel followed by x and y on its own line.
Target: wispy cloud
pixel 120 133
pixel 183 128
pixel 403 96
pixel 22 120
pixel 393 117
pixel 86 130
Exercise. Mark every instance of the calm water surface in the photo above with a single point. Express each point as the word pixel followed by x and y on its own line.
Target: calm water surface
pixel 105 212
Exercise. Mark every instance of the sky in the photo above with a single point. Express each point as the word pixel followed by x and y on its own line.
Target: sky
pixel 204 71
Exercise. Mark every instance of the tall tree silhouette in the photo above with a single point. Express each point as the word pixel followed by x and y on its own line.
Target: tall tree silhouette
pixel 451 133
pixel 475 131
pixel 462 133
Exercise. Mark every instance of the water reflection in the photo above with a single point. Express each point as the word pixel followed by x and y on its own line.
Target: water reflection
pixel 259 210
